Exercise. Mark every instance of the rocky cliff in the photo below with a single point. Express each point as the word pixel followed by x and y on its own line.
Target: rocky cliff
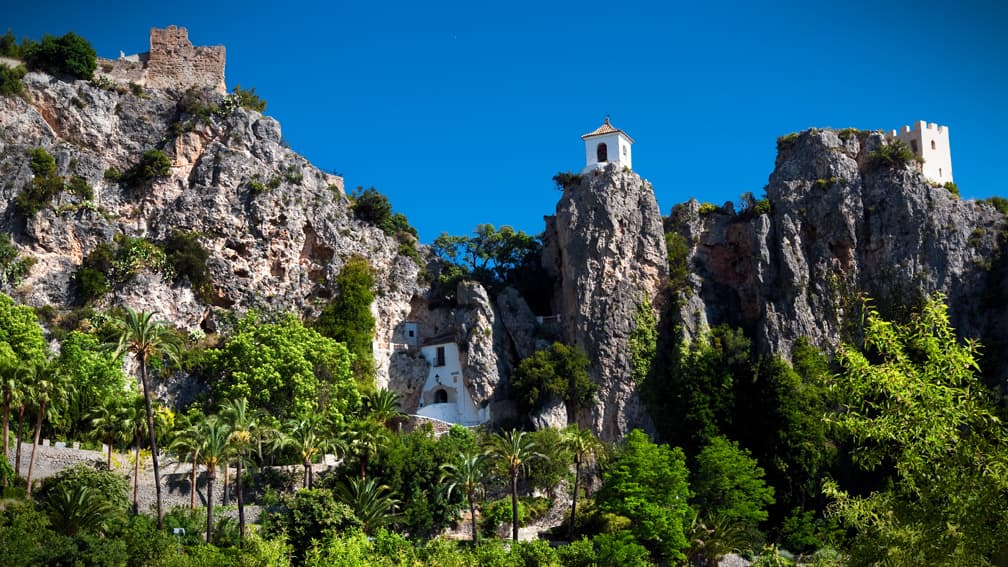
pixel 840 224
pixel 276 228
pixel 606 249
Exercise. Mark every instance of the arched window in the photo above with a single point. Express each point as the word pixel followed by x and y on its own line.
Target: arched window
pixel 440 396
pixel 933 147
pixel 602 153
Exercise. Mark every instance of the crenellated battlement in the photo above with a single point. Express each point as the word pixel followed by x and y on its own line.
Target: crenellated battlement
pixel 930 141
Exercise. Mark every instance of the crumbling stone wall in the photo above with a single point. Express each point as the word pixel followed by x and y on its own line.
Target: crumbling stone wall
pixel 175 63
pixel 172 63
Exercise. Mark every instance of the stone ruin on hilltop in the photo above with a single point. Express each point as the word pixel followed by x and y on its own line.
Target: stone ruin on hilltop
pixel 172 63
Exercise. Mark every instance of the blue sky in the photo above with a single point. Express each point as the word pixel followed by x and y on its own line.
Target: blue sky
pixel 461 112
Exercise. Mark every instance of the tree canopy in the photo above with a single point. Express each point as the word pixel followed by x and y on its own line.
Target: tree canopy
pixel 284 368
pixel 559 371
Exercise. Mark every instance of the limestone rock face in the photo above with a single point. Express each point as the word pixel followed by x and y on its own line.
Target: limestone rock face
pixel 277 229
pixel 607 249
pixel 841 225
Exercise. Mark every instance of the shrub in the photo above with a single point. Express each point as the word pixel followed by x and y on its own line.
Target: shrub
pixel 677 252
pixel 80 187
pixel 113 174
pixel 91 284
pixel 372 207
pixel 69 54
pixel 10 80
pixel 952 188
pixel 847 133
pixel 566 180
pixel 786 141
pixel 13 268
pixel 247 98
pixel 188 258
pixel 708 208
pixel 348 319
pixel 999 203
pixel 152 165
pixel 895 153
pixel 38 193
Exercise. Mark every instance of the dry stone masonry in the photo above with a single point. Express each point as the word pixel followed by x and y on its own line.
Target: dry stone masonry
pixel 172 63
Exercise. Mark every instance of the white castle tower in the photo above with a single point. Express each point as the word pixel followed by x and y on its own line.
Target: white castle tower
pixel 607 144
pixel 931 142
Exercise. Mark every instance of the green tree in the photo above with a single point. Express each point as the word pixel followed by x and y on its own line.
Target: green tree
pixel 69 54
pixel 248 99
pixel 307 516
pixel 48 387
pixel 583 445
pixel 729 484
pixel 110 422
pixel 95 375
pixel 246 433
pixel 382 406
pixel 362 439
pixel 559 371
pixel 490 256
pixel 21 345
pixel 84 499
pixel 284 369
pixel 185 444
pixel 213 452
pixel 647 484
pixel 308 437
pixel 138 334
pixel 913 403
pixel 516 451
pixel 466 475
pixel 348 319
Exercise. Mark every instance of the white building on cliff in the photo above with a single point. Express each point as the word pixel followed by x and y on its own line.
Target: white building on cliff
pixel 607 144
pixel 931 142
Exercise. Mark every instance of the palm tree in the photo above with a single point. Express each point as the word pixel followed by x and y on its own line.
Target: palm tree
pixel 466 476
pixel 582 444
pixel 516 451
pixel 8 385
pixel 245 432
pixel 371 503
pixel 362 439
pixel 49 386
pixel 383 407
pixel 73 507
pixel 110 423
pixel 306 436
pixel 142 337
pixel 25 375
pixel 134 415
pixel 212 452
pixel 185 445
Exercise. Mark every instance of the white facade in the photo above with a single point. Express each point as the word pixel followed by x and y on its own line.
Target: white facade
pixel 607 144
pixel 445 396
pixel 931 142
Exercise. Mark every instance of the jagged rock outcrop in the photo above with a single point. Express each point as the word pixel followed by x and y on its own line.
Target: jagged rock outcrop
pixel 606 248
pixel 839 225
pixel 276 228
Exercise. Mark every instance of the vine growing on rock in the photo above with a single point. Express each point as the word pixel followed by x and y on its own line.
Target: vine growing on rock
pixel 643 341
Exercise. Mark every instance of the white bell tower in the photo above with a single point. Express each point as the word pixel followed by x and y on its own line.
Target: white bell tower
pixel 607 144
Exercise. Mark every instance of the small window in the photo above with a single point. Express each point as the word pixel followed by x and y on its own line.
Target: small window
pixel 933 146
pixel 939 172
pixel 440 396
pixel 624 151
pixel 411 332
pixel 439 359
pixel 913 145
pixel 602 153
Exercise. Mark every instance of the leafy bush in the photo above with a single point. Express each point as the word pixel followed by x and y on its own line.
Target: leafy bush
pixel 188 259
pixel 38 193
pixel 307 516
pixel 80 187
pixel 999 203
pixel 677 251
pixel 847 133
pixel 10 80
pixel 348 319
pixel 728 483
pixel 895 153
pixel 13 267
pixel 111 487
pixel 69 54
pixel 153 164
pixel 9 46
pixel 708 208
pixel 560 371
pixel 952 188
pixel 566 180
pixel 247 98
pixel 786 141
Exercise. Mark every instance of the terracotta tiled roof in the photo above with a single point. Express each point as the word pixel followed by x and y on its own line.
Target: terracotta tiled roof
pixel 606 128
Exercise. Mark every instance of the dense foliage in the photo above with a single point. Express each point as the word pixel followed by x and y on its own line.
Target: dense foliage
pixel 347 317
pixel 10 79
pixel 46 183
pixel 283 368
pixel 557 372
pixel 69 55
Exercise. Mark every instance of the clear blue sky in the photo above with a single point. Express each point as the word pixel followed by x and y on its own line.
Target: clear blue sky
pixel 461 112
